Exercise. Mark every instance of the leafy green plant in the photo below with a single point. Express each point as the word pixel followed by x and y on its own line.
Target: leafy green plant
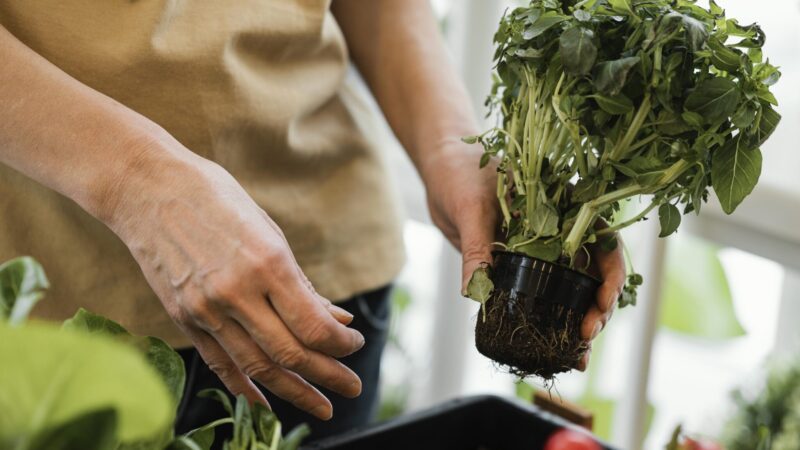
pixel 603 100
pixel 92 385
pixel 770 419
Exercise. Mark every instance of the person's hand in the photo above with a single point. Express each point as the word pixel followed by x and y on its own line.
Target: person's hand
pixel 463 203
pixel 225 274
pixel 608 266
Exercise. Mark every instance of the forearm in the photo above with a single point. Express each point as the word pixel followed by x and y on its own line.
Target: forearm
pixel 397 47
pixel 69 137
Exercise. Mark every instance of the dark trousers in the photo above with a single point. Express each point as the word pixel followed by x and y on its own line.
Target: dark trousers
pixel 371 318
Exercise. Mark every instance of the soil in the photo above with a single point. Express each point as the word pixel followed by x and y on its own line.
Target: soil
pixel 530 337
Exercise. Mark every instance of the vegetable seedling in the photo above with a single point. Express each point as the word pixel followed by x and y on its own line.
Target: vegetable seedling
pixel 601 101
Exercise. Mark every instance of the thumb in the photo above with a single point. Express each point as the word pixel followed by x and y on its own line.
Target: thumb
pixel 476 247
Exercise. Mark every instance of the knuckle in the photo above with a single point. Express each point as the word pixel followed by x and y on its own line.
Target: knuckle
pixel 198 309
pixel 261 370
pixel 318 333
pixel 200 312
pixel 223 369
pixel 222 288
pixel 292 357
pixel 276 257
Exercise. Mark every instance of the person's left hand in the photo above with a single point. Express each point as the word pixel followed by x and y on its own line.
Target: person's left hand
pixel 463 203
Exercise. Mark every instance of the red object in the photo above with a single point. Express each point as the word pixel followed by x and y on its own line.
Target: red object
pixel 566 439
pixel 693 444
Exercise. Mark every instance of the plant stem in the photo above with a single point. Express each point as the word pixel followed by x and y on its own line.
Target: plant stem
pixel 587 215
pixel 501 197
pixel 631 221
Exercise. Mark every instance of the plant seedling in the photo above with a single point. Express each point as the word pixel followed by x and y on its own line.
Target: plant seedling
pixel 601 101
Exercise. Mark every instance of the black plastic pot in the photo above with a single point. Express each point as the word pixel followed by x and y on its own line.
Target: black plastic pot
pixel 472 423
pixel 531 323
pixel 538 280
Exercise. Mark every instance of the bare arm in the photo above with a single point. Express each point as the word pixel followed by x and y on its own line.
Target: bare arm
pixel 219 264
pixel 64 134
pixel 397 47
pixel 399 50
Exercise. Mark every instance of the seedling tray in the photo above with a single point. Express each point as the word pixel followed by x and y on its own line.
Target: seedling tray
pixel 473 423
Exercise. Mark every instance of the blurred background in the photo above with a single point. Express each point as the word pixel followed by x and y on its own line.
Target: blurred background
pixel 721 298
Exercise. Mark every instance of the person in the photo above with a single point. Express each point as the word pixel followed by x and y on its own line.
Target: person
pixel 201 172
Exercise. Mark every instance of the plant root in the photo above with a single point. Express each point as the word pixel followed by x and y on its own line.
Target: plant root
pixel 530 336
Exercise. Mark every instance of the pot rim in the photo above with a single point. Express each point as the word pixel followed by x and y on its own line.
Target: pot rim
pixel 561 266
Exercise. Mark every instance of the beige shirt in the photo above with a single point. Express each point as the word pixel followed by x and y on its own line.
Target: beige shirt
pixel 255 85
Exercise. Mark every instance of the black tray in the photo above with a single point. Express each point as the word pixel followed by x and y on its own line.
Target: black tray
pixel 472 423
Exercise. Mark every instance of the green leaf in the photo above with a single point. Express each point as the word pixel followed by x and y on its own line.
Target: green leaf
pixel 265 422
pixel 696 296
pixel 470 139
pixel 735 170
pixel 616 104
pixel 696 32
pixel 295 437
pixel 159 354
pixel 542 24
pixel 610 76
pixel 582 15
pixel 52 376
pixel 744 117
pixel 766 126
pixel 544 222
pixel 22 285
pixel 219 396
pixel 95 430
pixel 670 218
pixel 714 99
pixel 480 285
pixel 169 365
pixel 541 249
pixel 578 53
pixel 88 322
pixel 622 7
pixel 723 57
pixel 203 437
pixel 692 119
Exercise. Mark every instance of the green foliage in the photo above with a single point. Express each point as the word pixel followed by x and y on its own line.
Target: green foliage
pixel 662 98
pixel 91 385
pixel 161 356
pixel 696 296
pixel 95 430
pixel 51 377
pixel 480 285
pixel 22 285
pixel 254 427
pixel 769 420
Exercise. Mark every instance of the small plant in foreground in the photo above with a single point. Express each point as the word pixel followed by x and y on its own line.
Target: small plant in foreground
pixel 91 385
pixel 601 101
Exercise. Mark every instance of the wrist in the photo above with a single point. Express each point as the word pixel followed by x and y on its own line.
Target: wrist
pixel 441 152
pixel 146 163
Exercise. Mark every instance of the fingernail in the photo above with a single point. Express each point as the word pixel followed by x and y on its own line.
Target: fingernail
pixel 355 388
pixel 323 412
pixel 359 340
pixel 596 330
pixel 341 311
pixel 586 357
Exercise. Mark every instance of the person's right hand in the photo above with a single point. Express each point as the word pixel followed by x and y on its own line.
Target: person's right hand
pixel 225 274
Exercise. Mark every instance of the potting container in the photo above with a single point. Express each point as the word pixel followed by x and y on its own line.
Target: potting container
pixel 474 423
pixel 539 280
pixel 531 323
